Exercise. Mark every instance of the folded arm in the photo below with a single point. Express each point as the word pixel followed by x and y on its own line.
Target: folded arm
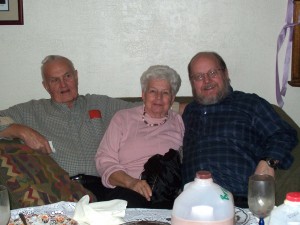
pixel 30 137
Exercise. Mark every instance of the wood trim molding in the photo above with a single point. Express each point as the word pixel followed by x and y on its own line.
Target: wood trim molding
pixel 295 72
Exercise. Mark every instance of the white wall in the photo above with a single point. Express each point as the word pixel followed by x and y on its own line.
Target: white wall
pixel 112 42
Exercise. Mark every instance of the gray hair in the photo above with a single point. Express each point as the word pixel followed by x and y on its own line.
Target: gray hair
pixel 161 72
pixel 51 58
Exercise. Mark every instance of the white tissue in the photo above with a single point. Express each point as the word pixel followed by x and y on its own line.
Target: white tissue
pixel 98 213
pixel 51 146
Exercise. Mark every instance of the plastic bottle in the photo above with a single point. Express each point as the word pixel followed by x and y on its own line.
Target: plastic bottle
pixel 289 212
pixel 203 202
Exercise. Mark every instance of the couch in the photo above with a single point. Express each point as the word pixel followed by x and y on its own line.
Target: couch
pixel 36 179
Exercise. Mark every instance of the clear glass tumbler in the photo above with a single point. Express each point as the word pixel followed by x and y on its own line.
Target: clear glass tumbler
pixel 4 206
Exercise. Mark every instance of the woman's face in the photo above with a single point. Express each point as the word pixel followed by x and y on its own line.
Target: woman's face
pixel 158 98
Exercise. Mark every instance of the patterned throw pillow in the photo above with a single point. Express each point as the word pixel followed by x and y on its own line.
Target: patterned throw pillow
pixel 34 179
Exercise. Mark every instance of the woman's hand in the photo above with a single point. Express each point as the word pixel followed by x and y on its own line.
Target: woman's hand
pixel 142 187
pixel 122 179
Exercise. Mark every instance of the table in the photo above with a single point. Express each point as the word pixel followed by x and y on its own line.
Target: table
pixel 243 216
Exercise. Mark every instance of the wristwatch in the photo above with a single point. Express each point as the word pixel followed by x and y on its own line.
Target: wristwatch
pixel 273 163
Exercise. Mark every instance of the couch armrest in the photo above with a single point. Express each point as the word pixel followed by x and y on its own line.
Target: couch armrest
pixel 288 180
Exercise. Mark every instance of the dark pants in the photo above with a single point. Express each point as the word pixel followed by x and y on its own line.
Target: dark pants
pixel 134 199
pixel 240 201
pixel 92 183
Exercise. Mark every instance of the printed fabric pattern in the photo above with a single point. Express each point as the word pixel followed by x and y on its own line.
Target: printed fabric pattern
pixel 34 179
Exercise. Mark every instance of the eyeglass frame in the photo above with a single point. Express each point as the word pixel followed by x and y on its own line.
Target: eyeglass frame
pixel 211 74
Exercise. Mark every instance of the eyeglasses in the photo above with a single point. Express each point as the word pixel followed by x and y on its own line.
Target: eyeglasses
pixel 211 74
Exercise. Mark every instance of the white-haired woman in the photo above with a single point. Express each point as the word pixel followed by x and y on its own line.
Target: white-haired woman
pixel 136 134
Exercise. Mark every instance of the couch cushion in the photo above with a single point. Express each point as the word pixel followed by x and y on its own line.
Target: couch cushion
pixel 33 178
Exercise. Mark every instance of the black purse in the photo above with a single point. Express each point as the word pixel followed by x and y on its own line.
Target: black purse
pixel 163 174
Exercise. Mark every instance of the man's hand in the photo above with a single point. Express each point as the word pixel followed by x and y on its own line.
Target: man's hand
pixel 264 168
pixel 30 137
pixel 36 141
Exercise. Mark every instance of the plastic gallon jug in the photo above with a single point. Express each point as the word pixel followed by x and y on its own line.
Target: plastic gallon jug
pixel 203 202
pixel 289 212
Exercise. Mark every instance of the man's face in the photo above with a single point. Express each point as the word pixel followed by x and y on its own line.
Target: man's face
pixel 61 81
pixel 210 83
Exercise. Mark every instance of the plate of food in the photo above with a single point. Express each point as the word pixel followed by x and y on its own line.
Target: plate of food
pixel 43 219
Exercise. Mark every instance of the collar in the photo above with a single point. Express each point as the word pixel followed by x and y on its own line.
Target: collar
pixel 64 107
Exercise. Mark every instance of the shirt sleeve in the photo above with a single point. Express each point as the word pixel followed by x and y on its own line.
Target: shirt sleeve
pixel 11 115
pixel 278 137
pixel 107 156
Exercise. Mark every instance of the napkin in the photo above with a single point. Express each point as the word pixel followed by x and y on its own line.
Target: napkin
pixel 97 213
pixel 51 146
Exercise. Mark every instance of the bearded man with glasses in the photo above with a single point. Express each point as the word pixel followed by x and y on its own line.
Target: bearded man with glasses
pixel 230 133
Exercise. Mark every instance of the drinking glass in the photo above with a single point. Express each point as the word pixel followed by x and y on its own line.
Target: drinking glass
pixel 4 206
pixel 261 195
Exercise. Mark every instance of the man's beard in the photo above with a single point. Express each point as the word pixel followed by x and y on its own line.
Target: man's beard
pixel 209 100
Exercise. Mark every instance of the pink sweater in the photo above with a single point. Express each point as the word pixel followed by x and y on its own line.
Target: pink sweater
pixel 128 142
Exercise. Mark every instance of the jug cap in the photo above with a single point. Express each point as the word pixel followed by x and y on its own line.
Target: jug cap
pixel 293 196
pixel 203 174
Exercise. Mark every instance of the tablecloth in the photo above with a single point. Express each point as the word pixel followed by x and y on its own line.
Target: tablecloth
pixel 243 216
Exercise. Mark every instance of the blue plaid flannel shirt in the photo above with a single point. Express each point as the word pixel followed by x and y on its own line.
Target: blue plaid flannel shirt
pixel 230 138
